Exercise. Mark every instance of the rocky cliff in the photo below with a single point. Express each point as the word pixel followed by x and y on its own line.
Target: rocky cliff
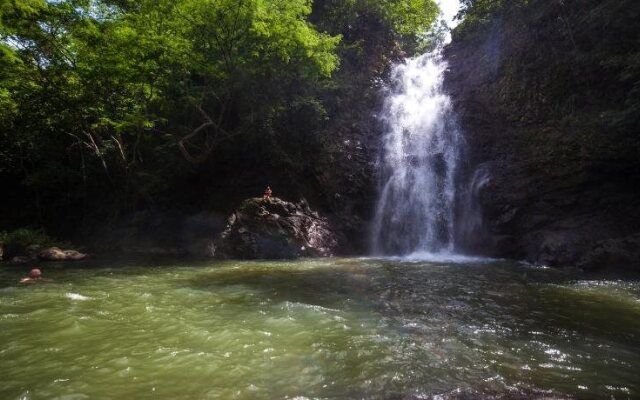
pixel 548 94
pixel 273 228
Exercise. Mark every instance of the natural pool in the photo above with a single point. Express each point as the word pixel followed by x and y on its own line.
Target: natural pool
pixel 333 328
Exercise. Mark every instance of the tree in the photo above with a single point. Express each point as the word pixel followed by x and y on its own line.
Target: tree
pixel 98 97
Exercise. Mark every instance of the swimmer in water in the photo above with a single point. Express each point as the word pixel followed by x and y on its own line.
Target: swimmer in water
pixel 34 276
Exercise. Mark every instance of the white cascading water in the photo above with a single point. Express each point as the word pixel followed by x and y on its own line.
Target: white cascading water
pixel 419 161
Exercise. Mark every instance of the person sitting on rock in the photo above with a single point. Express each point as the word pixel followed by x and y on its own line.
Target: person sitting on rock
pixel 267 193
pixel 34 275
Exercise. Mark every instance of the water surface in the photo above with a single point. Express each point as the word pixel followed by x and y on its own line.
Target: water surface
pixel 341 328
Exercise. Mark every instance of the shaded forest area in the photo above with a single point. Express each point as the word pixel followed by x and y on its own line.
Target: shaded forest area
pixel 109 108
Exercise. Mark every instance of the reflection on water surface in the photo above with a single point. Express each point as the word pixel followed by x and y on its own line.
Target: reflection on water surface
pixel 343 328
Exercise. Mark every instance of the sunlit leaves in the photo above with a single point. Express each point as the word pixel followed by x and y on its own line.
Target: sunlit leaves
pixel 109 86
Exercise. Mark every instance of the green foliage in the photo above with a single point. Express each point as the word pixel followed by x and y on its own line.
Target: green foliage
pixel 369 21
pixel 402 17
pixel 26 236
pixel 104 94
pixel 476 14
pixel 17 241
pixel 409 17
pixel 107 105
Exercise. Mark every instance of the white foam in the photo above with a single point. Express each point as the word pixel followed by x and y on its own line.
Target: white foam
pixel 76 297
pixel 444 257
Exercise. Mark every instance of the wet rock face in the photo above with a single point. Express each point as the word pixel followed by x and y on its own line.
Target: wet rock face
pixel 614 253
pixel 561 188
pixel 273 229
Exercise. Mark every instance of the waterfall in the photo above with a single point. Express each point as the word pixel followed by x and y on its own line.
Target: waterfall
pixel 420 157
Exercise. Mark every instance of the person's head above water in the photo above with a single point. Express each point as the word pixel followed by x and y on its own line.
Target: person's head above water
pixel 35 273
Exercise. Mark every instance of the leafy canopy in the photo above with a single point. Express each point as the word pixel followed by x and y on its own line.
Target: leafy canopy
pixel 115 99
pixel 99 77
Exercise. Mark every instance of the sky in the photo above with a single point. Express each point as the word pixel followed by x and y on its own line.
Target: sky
pixel 449 10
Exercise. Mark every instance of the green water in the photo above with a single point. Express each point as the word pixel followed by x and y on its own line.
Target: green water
pixel 343 328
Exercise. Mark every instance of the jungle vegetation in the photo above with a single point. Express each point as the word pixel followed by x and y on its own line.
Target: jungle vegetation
pixel 108 106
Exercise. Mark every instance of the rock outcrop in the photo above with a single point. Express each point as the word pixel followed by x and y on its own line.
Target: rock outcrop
pixel 274 229
pixel 57 254
pixel 541 95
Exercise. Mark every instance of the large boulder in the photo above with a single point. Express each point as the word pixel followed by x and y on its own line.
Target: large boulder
pixel 273 228
pixel 57 254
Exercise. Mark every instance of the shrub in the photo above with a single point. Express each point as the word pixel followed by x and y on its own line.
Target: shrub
pixel 16 241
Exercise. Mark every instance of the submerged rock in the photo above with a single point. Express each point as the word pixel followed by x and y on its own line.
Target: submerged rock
pixel 57 254
pixel 274 228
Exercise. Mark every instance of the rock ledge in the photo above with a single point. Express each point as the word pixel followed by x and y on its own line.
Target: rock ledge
pixel 274 229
